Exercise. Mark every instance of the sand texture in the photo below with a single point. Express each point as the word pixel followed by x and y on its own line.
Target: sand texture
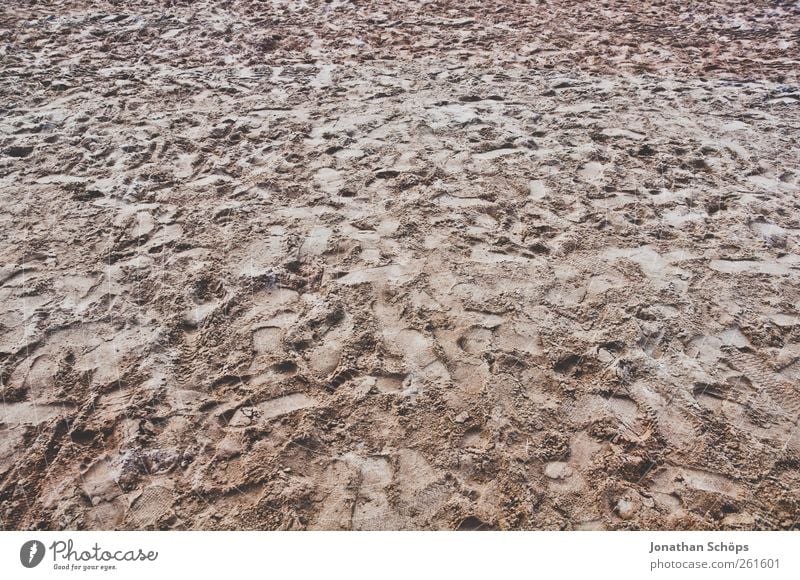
pixel 371 265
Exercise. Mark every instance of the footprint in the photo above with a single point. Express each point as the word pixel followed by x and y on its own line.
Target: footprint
pixel 153 504
pixel 330 180
pixel 284 405
pixel 476 340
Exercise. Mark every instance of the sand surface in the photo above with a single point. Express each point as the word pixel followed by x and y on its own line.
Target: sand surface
pixel 452 265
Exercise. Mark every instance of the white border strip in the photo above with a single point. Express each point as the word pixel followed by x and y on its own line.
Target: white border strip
pixel 376 555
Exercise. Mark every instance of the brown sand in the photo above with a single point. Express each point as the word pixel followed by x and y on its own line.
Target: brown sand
pixel 458 265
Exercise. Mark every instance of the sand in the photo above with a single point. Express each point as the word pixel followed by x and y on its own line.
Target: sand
pixel 317 265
